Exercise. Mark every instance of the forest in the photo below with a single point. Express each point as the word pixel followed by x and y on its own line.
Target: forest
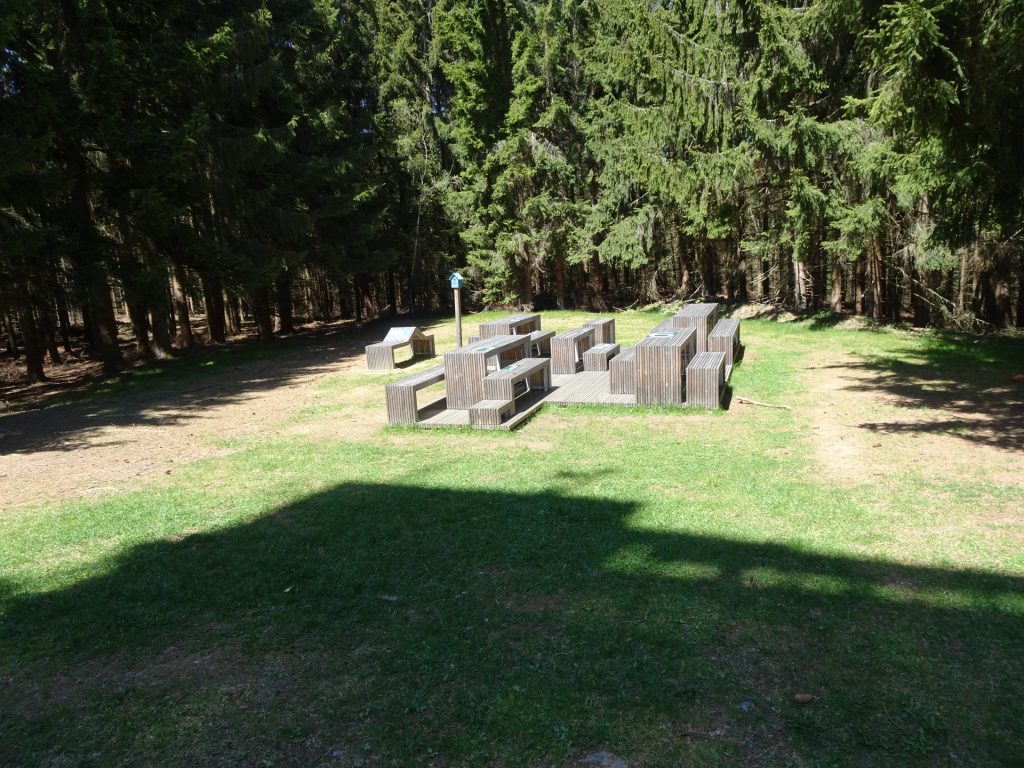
pixel 193 166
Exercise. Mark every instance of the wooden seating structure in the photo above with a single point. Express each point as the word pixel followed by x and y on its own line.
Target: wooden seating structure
pixel 381 356
pixel 725 338
pixel 540 343
pixel 604 330
pixel 510 325
pixel 466 367
pixel 400 396
pixel 661 360
pixel 597 357
pixel 518 379
pixel 567 349
pixel 700 317
pixel 622 372
pixel 488 414
pixel 705 380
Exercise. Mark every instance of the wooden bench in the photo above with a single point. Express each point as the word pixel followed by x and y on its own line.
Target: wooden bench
pixel 400 396
pixel 604 330
pixel 519 378
pixel 540 343
pixel 705 380
pixel 622 369
pixel 567 349
pixel 381 356
pixel 725 338
pixel 490 413
pixel 597 357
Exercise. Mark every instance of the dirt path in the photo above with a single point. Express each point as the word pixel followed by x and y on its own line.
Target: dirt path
pixel 868 423
pixel 104 444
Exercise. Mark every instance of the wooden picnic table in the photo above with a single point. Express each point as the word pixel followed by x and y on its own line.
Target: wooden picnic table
pixel 567 349
pixel 466 367
pixel 510 325
pixel 661 360
pixel 700 317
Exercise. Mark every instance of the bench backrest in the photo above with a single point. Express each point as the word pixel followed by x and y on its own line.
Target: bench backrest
pixel 422 379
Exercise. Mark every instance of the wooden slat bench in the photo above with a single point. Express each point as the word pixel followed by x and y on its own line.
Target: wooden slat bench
pixel 567 349
pixel 490 413
pixel 725 338
pixel 466 367
pixel 597 357
pixel 381 356
pixel 705 380
pixel 540 343
pixel 622 369
pixel 700 317
pixel 511 325
pixel 400 396
pixel 519 378
pixel 604 330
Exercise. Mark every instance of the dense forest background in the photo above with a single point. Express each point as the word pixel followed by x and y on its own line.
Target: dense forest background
pixel 196 163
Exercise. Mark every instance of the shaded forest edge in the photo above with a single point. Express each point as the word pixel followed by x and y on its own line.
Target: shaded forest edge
pixel 193 170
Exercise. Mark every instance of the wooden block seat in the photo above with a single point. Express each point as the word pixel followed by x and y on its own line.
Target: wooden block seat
pixel 381 356
pixel 622 369
pixel 567 349
pixel 725 338
pixel 490 413
pixel 540 343
pixel 517 379
pixel 604 330
pixel 661 360
pixel 597 357
pixel 400 396
pixel 705 380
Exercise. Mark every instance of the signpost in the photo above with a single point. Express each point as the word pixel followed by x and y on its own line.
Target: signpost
pixel 456 281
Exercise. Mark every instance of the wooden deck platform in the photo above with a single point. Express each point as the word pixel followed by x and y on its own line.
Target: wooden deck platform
pixel 437 416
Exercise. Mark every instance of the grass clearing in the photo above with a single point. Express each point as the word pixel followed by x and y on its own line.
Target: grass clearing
pixel 654 583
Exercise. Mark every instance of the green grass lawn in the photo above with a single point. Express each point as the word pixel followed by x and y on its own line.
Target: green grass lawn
pixel 652 583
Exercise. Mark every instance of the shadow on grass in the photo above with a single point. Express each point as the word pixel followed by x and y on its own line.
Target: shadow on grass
pixel 406 625
pixel 967 380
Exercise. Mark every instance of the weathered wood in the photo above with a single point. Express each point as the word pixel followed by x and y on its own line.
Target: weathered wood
pixel 700 317
pixel 585 388
pixel 604 330
pixel 661 360
pixel 540 343
pixel 466 367
pixel 705 380
pixel 725 338
pixel 381 356
pixel 490 413
pixel 597 357
pixel 567 349
pixel 510 325
pixel 622 369
pixel 518 379
pixel 400 396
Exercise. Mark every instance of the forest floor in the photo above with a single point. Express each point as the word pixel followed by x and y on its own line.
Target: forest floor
pixel 232 560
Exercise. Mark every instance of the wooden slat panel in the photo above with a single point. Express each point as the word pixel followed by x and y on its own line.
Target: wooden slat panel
pixel 596 358
pixel 725 338
pixel 700 317
pixel 567 349
pixel 622 368
pixel 604 330
pixel 661 360
pixel 705 380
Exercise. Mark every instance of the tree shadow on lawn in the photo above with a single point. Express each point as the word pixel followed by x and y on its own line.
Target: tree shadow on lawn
pixel 176 391
pixel 404 625
pixel 967 379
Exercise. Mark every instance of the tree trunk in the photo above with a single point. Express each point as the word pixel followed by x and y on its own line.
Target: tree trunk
pixel 179 296
pixel 213 299
pixel 262 314
pixel 235 313
pixel 62 313
pixel 836 304
pixel 922 310
pixel 31 342
pixel 48 333
pixel 285 315
pixel 140 325
pixel 1020 299
pixel 105 343
pixel 12 338
pixel 559 275
pixel 800 284
pixel 996 286
pixel 161 318
pixel 392 288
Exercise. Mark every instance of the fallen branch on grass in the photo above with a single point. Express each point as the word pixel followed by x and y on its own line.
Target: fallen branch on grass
pixel 745 401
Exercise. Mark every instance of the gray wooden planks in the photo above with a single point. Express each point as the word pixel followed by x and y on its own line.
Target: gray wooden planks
pixel 725 338
pixel 705 380
pixel 700 317
pixel 597 357
pixel 400 396
pixel 661 360
pixel 567 349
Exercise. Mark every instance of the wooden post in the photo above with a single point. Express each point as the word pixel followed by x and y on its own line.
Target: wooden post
pixel 458 317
